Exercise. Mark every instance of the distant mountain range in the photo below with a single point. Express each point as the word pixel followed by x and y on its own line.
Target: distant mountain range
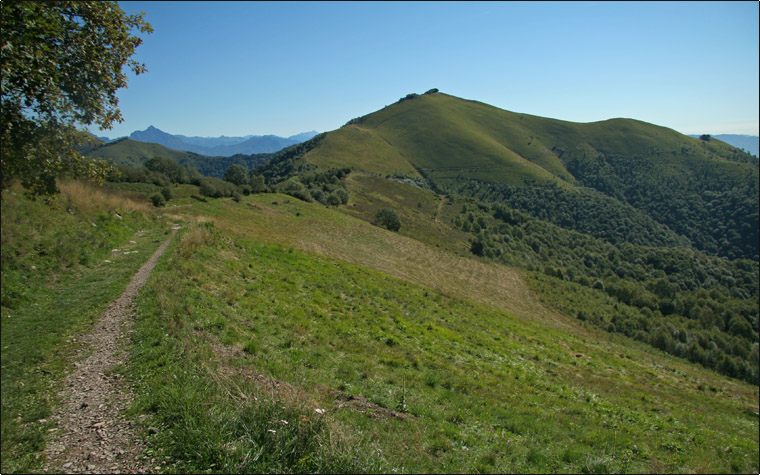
pixel 748 143
pixel 251 144
pixel 218 146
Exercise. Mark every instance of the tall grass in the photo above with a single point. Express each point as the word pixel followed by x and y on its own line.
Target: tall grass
pixel 71 228
pixel 91 199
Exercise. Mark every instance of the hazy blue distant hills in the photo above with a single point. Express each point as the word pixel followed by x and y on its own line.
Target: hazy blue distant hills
pixel 102 139
pixel 256 144
pixel 749 143
pixel 304 136
pixel 220 146
pixel 212 142
pixel 154 135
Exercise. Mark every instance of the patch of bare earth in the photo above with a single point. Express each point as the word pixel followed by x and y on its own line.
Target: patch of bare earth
pixel 92 434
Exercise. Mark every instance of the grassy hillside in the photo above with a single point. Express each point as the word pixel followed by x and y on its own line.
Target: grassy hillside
pixel 279 336
pixel 559 297
pixel 704 191
pixel 421 374
pixel 63 262
pixel 132 153
pixel 366 149
pixel 649 283
pixel 452 137
pixel 688 303
pixel 443 137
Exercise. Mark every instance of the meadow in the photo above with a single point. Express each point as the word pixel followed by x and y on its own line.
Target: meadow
pixel 411 376
pixel 277 335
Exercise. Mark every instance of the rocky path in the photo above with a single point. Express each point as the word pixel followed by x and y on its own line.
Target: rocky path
pixel 93 436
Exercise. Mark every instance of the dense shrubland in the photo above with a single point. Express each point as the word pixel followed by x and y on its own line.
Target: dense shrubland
pixel 714 203
pixel 287 172
pixel 683 301
pixel 165 172
pixel 583 210
pixel 305 182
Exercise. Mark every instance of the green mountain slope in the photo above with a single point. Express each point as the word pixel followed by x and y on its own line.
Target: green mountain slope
pixel 651 234
pixel 128 152
pixel 544 306
pixel 704 192
pixel 446 134
pixel 443 136
pixel 278 335
pixel 133 153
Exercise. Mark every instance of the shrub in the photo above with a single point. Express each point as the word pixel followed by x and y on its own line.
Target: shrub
pixel 332 200
pixel 158 200
pixel 167 192
pixel 342 194
pixel 171 169
pixel 476 247
pixel 236 174
pixel 296 189
pixel 207 188
pixel 319 195
pixel 257 183
pixel 216 188
pixel 388 218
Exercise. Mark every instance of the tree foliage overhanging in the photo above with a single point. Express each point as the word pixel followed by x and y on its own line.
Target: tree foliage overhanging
pixel 61 68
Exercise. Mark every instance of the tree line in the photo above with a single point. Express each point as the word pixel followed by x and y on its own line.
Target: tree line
pixel 688 303
pixel 326 187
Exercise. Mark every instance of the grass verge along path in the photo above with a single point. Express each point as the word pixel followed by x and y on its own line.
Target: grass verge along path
pixel 41 330
pixel 93 435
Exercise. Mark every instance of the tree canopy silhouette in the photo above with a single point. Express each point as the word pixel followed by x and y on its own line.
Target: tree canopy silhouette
pixel 61 68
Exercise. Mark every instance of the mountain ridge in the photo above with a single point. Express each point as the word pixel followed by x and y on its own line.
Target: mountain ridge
pixel 219 146
pixel 222 146
pixel 749 143
pixel 133 153
pixel 464 146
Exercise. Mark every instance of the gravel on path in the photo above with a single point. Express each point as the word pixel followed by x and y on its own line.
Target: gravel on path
pixel 92 434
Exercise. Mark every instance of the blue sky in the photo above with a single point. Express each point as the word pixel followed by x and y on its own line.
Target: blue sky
pixel 241 68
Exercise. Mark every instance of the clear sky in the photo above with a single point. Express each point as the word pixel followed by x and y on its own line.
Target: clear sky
pixel 242 68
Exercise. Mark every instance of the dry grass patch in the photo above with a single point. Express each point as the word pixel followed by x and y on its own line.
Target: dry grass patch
pixel 89 198
pixel 316 229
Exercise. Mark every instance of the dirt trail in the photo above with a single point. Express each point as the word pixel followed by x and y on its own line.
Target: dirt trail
pixel 92 435
pixel 440 209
